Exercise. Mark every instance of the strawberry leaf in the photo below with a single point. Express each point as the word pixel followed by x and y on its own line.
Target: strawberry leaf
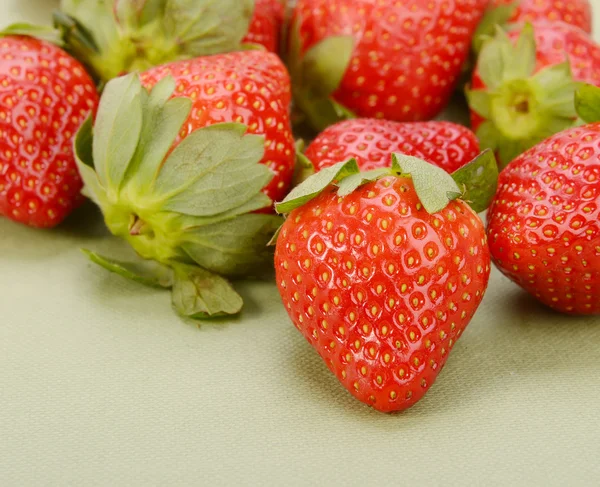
pixel 200 294
pixel 213 170
pixel 233 247
pixel 434 186
pixel 479 179
pixel 117 130
pixel 162 121
pixel 148 273
pixel 43 33
pixel 85 164
pixel 587 103
pixel 325 64
pixel 494 16
pixel 316 184
pixel 352 183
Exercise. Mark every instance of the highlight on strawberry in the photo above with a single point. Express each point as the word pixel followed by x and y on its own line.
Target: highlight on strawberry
pixel 524 86
pixel 381 271
pixel 187 207
pixel 543 228
pixel 380 59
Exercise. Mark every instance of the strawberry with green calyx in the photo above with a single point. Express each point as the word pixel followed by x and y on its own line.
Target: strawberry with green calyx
pixel 382 271
pixel 186 207
pixel 543 226
pixel 45 95
pixel 113 37
pixel 503 12
pixel 247 87
pixel 522 90
pixel 390 59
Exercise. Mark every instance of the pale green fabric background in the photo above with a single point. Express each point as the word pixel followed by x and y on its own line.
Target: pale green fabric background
pixel 101 384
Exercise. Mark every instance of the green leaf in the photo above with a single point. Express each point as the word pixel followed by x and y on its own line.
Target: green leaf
pixel 233 247
pixel 205 27
pixel 320 111
pixel 44 33
pixel 314 185
pixel 304 167
pixel 325 64
pixel 479 179
pixel 494 16
pixel 525 52
pixel 479 102
pixel 117 130
pixel 149 273
pixel 434 186
pixel 488 135
pixel 557 87
pixel 200 294
pixel 351 183
pixel 215 169
pixel 587 103
pixel 85 164
pixel 492 60
pixel 162 121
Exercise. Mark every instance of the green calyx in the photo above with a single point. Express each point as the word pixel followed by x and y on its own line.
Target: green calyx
pixel 498 15
pixel 188 207
pixel 317 75
pixel 475 183
pixel 120 36
pixel 520 107
pixel 587 103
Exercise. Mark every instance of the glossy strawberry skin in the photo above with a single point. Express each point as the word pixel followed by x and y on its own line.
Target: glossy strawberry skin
pixel 555 41
pixel 544 225
pixel 408 54
pixel 371 142
pixel 248 87
pixel 44 97
pixel 380 288
pixel 265 27
pixel 574 12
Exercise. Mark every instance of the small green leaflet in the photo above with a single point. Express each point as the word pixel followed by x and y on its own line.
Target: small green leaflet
pixel 149 273
pixel 479 178
pixel 39 32
pixel 434 186
pixel 352 183
pixel 200 294
pixel 325 64
pixel 587 102
pixel 313 186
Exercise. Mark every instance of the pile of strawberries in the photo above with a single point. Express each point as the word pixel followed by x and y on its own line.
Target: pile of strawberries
pixel 182 123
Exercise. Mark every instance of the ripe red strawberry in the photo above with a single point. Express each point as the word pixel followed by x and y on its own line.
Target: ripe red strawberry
pixel 44 96
pixel 544 224
pixel 398 60
pixel 247 87
pixel 266 24
pixel 574 12
pixel 523 88
pixel 380 286
pixel 370 142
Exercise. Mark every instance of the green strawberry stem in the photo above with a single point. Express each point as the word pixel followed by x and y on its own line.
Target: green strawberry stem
pixel 190 208
pixel 520 108
pixel 475 183
pixel 587 103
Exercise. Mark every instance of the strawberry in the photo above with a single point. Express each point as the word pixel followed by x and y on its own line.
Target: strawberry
pixel 543 226
pixel 248 87
pixel 398 60
pixel 113 37
pixel 370 142
pixel 266 24
pixel 45 95
pixel 502 12
pixel 179 161
pixel 522 90
pixel 382 274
